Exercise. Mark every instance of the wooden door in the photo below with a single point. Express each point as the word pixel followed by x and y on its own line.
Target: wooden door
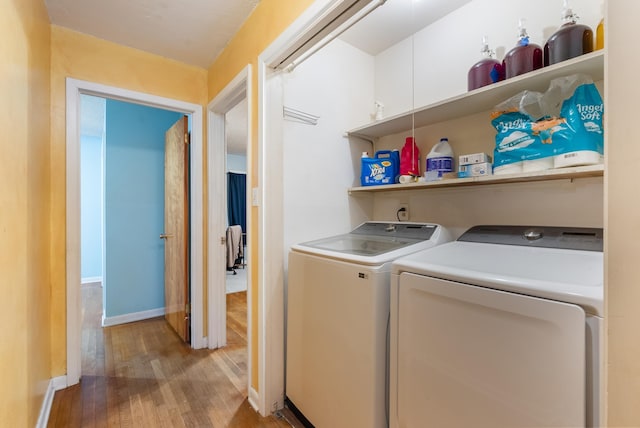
pixel 176 228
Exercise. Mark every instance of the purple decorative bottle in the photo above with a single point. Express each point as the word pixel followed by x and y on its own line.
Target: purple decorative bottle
pixel 486 71
pixel 525 57
pixel 571 39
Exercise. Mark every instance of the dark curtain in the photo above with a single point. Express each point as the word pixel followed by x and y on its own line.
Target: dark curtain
pixel 237 199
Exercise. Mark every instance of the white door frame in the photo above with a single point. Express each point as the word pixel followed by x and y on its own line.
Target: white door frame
pixel 238 89
pixel 73 278
pixel 271 308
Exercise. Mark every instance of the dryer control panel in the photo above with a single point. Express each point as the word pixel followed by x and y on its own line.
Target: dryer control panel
pixel 567 238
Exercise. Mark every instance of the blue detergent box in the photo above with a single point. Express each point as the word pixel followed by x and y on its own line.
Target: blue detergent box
pixel 381 169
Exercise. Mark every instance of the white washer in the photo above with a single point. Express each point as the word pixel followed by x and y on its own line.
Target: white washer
pixel 337 320
pixel 501 328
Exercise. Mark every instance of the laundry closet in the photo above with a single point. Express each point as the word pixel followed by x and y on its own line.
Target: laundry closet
pixel 367 92
pixel 330 102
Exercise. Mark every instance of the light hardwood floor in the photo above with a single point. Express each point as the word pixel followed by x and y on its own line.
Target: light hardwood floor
pixel 141 375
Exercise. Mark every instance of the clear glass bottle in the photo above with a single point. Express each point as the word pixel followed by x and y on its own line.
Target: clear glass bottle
pixel 486 71
pixel 571 39
pixel 523 58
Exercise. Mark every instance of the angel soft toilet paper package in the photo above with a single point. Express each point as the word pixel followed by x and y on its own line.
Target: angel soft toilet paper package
pixel 584 113
pixel 563 123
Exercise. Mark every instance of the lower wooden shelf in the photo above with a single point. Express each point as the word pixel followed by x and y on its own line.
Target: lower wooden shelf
pixel 546 175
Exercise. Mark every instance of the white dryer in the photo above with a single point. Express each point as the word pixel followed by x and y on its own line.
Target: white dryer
pixel 337 322
pixel 501 328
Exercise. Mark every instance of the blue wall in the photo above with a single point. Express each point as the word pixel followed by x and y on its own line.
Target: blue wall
pixel 134 201
pixel 91 206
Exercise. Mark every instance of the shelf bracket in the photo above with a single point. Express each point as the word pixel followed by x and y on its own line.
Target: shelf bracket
pixel 364 137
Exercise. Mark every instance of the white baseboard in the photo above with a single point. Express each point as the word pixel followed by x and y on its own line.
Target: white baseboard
pixel 55 384
pixel 91 280
pixel 135 316
pixel 253 399
pixel 59 382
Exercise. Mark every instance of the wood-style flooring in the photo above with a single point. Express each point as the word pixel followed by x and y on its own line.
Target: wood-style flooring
pixel 141 375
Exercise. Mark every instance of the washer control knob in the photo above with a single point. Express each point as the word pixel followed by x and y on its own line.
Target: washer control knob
pixel 532 235
pixel 390 228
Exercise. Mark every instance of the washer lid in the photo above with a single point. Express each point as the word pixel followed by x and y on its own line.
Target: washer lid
pixel 573 276
pixel 362 245
pixel 375 243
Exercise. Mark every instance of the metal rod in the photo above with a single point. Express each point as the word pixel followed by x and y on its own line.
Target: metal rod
pixel 331 38
pixel 301 116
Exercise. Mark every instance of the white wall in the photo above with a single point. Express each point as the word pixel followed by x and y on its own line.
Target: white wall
pixel 236 163
pixel 445 50
pixel 92 128
pixel 394 79
pixel 320 164
pixel 91 208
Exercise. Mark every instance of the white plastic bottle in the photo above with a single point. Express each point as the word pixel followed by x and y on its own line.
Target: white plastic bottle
pixel 439 160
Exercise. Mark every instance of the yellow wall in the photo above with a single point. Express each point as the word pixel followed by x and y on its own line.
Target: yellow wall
pixel 87 58
pixel 24 206
pixel 622 216
pixel 266 23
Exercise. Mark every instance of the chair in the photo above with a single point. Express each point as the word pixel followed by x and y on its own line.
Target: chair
pixel 235 253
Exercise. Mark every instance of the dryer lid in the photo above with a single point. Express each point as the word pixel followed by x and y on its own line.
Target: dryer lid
pixel 567 275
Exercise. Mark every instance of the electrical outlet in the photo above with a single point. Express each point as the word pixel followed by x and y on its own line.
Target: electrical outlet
pixel 403 212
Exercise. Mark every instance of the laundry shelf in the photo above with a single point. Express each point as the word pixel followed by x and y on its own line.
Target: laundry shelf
pixel 482 99
pixel 546 175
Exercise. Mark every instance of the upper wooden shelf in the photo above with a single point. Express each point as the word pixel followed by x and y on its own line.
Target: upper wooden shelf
pixel 546 175
pixel 482 99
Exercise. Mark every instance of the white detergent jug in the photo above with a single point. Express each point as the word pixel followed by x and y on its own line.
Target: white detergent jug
pixel 440 158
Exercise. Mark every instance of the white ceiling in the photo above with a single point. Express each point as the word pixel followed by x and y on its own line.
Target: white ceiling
pixel 396 20
pixel 189 31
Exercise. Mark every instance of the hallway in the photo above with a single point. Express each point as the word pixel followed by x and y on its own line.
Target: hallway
pixel 141 374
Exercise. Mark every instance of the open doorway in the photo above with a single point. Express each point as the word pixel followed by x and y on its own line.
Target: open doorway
pixel 92 139
pixel 76 88
pixel 236 197
pixel 122 204
pixel 123 200
pixel 229 121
